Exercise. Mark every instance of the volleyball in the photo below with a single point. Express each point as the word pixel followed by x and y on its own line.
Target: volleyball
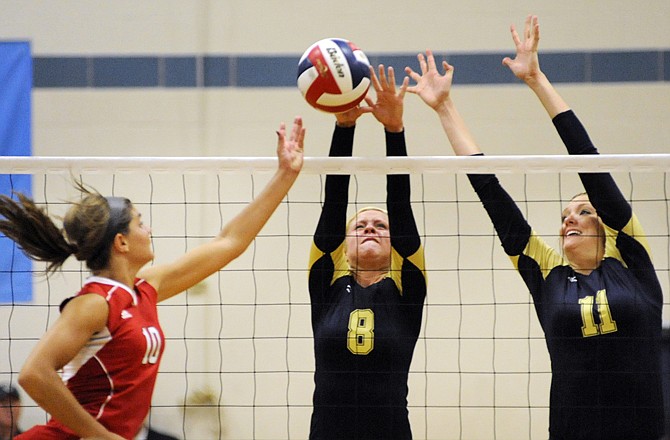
pixel 333 75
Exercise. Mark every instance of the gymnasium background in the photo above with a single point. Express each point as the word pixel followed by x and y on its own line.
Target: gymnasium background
pixel 214 78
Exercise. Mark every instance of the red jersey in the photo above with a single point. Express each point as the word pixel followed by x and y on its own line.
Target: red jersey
pixel 113 375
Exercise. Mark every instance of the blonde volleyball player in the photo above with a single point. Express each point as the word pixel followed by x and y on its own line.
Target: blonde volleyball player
pixel 598 299
pixel 367 288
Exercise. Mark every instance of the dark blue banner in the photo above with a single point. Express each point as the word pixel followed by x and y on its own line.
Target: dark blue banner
pixel 16 74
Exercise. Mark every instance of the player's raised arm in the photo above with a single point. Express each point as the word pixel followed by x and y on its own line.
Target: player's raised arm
pixel 526 66
pixel 199 263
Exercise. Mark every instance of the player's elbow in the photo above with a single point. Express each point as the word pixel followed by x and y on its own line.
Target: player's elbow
pixel 234 247
pixel 31 377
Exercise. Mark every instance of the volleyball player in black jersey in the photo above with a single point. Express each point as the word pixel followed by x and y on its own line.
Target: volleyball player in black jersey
pixel 367 288
pixel 598 301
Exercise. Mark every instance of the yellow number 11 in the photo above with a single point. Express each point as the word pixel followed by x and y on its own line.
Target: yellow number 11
pixel 607 324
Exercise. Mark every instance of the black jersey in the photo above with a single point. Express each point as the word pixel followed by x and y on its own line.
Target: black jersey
pixel 603 329
pixel 364 337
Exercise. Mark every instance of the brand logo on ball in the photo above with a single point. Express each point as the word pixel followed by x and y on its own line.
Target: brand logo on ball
pixel 335 56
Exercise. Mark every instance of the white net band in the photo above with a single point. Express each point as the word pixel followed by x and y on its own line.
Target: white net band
pixel 342 165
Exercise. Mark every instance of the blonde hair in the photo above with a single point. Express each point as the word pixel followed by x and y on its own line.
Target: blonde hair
pixel 366 208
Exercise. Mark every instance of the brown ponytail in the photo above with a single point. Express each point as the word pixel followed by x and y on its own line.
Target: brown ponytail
pixel 89 228
pixel 34 232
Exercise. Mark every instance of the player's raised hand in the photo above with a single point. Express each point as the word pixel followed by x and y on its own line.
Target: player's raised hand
pixel 431 86
pixel 389 106
pixel 290 150
pixel 525 65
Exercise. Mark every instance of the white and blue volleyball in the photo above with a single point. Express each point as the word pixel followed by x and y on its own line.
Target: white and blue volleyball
pixel 334 75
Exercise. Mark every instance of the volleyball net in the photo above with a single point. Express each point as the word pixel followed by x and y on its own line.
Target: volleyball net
pixel 239 359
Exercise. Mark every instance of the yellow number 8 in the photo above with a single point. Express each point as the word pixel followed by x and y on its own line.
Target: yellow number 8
pixel 360 339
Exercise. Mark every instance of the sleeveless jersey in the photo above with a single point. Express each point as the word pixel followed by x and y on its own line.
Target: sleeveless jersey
pixel 113 376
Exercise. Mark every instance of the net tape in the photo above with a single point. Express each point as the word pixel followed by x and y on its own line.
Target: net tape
pixel 341 165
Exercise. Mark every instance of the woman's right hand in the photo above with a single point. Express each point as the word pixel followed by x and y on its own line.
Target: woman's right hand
pixel 290 149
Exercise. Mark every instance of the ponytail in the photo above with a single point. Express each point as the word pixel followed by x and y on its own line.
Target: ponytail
pixel 31 228
pixel 89 228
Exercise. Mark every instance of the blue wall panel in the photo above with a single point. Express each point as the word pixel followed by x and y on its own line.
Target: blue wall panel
pixel 15 140
pixel 280 70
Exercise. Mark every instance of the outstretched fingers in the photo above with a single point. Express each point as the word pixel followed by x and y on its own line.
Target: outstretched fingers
pixel 290 151
pixel 423 66
pixel 431 60
pixel 296 138
pixel 531 33
pixel 412 74
pixel 535 34
pixel 432 85
pixel 416 76
pixel 527 28
pixel 525 64
pixel 403 87
pixel 515 36
pixel 388 78
pixel 376 85
pixel 298 133
pixel 385 81
pixel 281 134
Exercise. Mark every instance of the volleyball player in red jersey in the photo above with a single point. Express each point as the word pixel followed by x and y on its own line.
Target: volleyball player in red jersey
pixel 107 343
pixel 598 299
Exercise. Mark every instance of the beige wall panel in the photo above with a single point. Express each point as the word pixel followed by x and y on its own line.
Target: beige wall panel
pixel 262 26
pixel 505 120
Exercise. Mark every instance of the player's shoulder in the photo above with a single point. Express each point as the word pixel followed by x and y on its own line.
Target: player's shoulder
pixel 110 289
pixel 142 285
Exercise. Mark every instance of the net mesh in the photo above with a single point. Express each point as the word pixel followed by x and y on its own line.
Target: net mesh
pixel 239 352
